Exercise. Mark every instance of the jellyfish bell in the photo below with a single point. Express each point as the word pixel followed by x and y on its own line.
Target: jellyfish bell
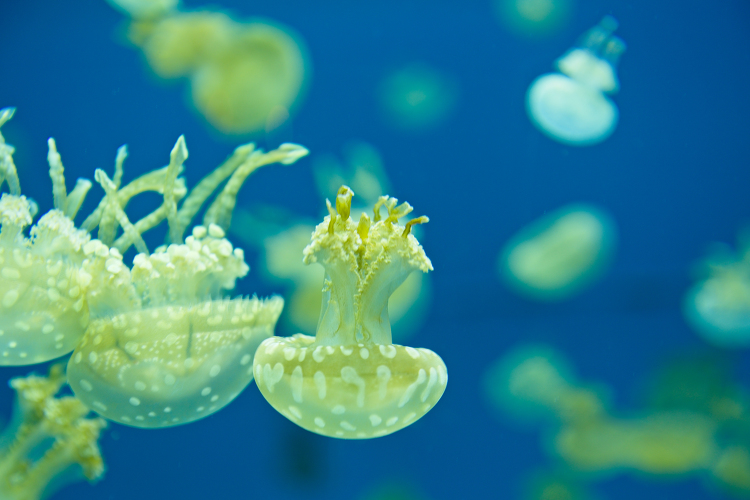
pixel 569 112
pixel 572 106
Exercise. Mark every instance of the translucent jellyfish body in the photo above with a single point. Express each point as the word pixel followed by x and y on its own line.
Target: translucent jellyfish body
pixel 350 381
pixel 559 254
pixel 572 106
pixel 718 307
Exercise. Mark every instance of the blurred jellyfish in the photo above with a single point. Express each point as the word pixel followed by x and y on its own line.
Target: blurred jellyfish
pixel 245 76
pixel 572 106
pixel 418 97
pixel 718 307
pixel 535 381
pixel 533 18
pixel 559 254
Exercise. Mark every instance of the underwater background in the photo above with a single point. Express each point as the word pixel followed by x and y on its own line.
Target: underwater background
pixel 674 175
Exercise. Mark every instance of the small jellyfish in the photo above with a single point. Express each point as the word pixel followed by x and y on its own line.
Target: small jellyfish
pixel 350 381
pixel 559 254
pixel 718 307
pixel 572 106
pixel 418 97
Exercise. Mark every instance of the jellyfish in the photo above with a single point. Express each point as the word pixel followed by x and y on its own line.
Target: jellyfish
pixel 418 97
pixel 535 381
pixel 572 106
pixel 50 441
pixel 164 346
pixel 245 77
pixel 350 381
pixel 718 307
pixel 560 254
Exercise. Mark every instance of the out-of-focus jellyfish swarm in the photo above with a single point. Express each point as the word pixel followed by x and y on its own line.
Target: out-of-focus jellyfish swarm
pixel 284 237
pixel 245 77
pixel 560 254
pixel 418 97
pixel 718 306
pixel 702 384
pixel 666 441
pixel 163 346
pixel 533 18
pixel 350 381
pixel 572 106
pixel 50 442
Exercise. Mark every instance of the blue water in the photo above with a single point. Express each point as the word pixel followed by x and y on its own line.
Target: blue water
pixel 675 175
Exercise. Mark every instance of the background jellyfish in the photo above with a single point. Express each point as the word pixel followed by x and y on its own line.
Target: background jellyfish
pixel 417 97
pixel 572 106
pixel 245 77
pixel 718 306
pixel 681 435
pixel 560 254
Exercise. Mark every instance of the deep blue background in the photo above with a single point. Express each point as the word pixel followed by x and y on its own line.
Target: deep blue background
pixel 675 175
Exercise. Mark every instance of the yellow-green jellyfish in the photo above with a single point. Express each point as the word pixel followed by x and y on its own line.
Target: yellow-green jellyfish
pixel 572 106
pixel 718 307
pixel 350 381
pixel 559 254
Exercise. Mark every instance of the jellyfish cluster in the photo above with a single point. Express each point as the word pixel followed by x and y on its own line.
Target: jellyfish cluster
pixel 690 428
pixel 573 106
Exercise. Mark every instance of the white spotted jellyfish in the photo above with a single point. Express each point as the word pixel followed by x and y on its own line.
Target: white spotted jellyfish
pixel 572 106
pixel 350 381
pixel 164 347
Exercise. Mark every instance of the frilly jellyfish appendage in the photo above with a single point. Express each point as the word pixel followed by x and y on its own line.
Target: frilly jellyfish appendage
pixel 572 106
pixel 350 381
pixel 49 442
pixel 718 307
pixel 560 254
